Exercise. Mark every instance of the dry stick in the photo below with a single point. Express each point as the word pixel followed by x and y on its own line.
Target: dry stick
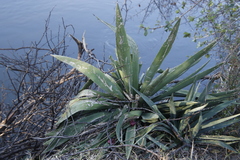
pixel 80 47
pixel 15 49
pixel 81 50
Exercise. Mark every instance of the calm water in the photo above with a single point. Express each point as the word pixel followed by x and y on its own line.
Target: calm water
pixel 23 21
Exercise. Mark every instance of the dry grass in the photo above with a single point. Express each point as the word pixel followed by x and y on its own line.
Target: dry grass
pixel 183 153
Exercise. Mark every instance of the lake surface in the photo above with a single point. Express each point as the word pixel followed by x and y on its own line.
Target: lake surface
pixel 23 21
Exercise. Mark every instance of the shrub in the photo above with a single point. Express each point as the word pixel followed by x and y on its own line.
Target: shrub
pixel 146 111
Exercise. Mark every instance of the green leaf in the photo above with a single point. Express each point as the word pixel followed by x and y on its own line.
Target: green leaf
pixel 160 145
pixel 150 103
pixel 104 81
pixel 164 128
pixel 149 117
pixel 123 52
pixel 134 62
pixel 183 4
pixel 185 82
pixel 182 68
pixel 134 56
pixel 219 125
pixel 143 132
pixel 186 117
pixel 89 94
pixel 142 142
pixel 215 142
pixel 172 108
pixel 184 121
pixel 120 123
pixel 145 32
pixel 219 137
pixel 134 114
pixel 129 139
pixel 76 106
pixel 176 132
pixel 190 18
pixel 87 85
pixel 209 114
pixel 72 129
pixel 220 121
pixel 191 96
pixel 197 109
pixel 152 88
pixel 163 52
pixel 197 127
pixel 186 34
pixel 203 96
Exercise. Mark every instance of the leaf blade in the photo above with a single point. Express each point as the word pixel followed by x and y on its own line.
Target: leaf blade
pixel 163 52
pixel 104 81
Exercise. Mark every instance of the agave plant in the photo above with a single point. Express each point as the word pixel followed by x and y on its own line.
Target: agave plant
pixel 132 110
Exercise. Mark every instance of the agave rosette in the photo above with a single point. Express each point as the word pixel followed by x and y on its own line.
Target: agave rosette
pixel 128 102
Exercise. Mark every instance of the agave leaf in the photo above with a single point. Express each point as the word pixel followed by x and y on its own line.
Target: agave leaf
pixel 223 94
pixel 152 88
pixel 220 137
pixel 160 145
pixel 191 96
pixel 143 132
pixel 180 105
pixel 185 82
pixel 134 114
pixel 150 103
pixel 172 108
pixel 199 69
pixel 107 24
pixel 129 139
pixel 186 117
pixel 104 81
pixel 102 138
pixel 203 96
pixel 120 123
pixel 214 123
pixel 101 142
pixel 76 106
pixel 220 125
pixel 182 68
pixel 176 132
pixel 142 142
pixel 163 52
pixel 87 85
pixel 215 142
pixel 88 93
pixel 134 62
pixel 73 129
pixel 134 55
pixel 149 117
pixel 197 109
pixel 197 127
pixel 184 121
pixel 123 52
pixel 209 114
pixel 165 129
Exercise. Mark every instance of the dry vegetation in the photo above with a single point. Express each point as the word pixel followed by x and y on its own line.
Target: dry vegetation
pixel 40 87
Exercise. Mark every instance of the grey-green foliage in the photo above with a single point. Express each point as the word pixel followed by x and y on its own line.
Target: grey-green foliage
pixel 126 104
